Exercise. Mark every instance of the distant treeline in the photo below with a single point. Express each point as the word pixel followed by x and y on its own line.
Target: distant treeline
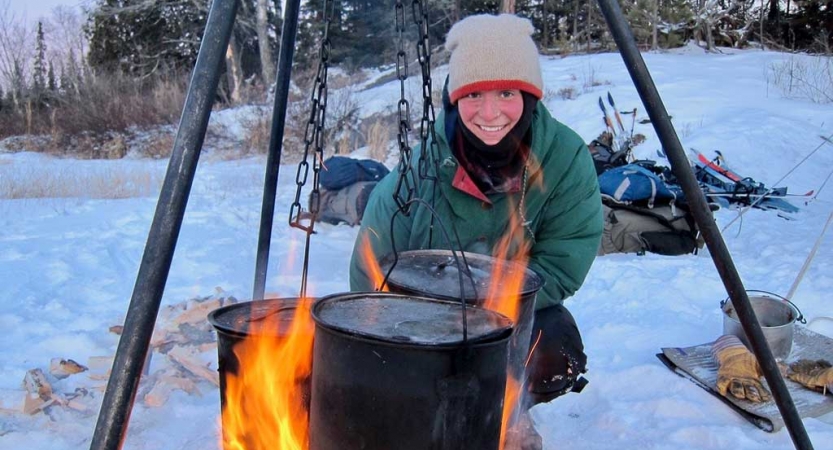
pixel 131 48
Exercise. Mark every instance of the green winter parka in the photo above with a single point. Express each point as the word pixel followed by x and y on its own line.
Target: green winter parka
pixel 561 205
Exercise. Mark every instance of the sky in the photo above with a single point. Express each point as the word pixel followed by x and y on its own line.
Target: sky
pixel 68 264
pixel 34 9
pixel 31 11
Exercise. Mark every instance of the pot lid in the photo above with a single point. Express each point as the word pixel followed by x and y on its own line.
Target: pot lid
pixel 435 273
pixel 244 319
pixel 404 319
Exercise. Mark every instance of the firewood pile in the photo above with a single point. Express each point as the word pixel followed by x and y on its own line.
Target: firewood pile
pixel 182 356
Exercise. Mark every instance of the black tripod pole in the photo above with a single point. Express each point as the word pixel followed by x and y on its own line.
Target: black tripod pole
pixel 705 221
pixel 273 160
pixel 133 346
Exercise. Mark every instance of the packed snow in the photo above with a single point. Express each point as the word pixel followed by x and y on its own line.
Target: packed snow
pixel 68 263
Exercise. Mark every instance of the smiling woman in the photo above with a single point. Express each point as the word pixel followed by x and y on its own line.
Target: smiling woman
pixel 512 183
pixel 490 115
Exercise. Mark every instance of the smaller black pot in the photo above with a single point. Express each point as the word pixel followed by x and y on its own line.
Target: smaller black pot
pixel 234 323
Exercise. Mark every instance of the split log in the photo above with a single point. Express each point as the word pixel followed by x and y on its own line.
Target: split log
pixel 62 368
pixel 166 382
pixel 189 359
pixel 38 391
pixel 99 367
pixel 75 400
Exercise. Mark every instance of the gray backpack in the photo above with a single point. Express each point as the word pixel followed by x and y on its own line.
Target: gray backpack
pixel 663 229
pixel 345 205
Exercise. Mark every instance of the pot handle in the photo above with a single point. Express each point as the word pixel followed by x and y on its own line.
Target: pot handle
pixel 464 267
pixel 800 317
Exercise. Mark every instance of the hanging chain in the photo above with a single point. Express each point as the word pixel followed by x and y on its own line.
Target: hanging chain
pixel 313 139
pixel 405 185
pixel 430 151
pixel 404 191
pixel 427 135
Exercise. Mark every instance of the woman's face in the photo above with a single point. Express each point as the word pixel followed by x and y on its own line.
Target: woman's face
pixel 490 115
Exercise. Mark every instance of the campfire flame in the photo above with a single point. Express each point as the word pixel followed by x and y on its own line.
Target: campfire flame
pixel 265 403
pixel 504 296
pixel 371 264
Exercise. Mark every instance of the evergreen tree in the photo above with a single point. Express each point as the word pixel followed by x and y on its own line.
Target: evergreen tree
pixel 51 84
pixel 143 37
pixel 39 68
pixel 140 37
pixel 811 26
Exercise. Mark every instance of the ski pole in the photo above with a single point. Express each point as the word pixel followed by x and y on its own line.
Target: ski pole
pixel 633 121
pixel 744 210
pixel 818 191
pixel 809 259
pixel 616 112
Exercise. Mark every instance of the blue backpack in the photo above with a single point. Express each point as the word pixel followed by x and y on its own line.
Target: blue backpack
pixel 340 171
pixel 633 184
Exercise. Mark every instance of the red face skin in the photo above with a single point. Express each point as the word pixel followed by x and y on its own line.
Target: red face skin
pixel 490 115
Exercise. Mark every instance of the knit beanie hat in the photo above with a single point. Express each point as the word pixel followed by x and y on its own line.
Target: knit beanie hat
pixel 492 52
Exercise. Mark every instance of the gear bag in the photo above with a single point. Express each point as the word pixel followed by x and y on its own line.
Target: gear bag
pixel 635 185
pixel 663 229
pixel 338 172
pixel 605 158
pixel 345 205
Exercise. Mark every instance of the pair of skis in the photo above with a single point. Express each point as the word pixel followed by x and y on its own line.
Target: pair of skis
pixel 618 137
pixel 607 120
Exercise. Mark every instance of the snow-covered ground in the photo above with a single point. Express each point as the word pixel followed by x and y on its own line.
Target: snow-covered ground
pixel 68 265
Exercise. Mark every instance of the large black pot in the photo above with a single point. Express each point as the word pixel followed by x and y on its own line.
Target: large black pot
pixel 434 273
pixel 394 372
pixel 234 323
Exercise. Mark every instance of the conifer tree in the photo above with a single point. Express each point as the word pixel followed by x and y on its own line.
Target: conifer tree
pixel 51 84
pixel 39 68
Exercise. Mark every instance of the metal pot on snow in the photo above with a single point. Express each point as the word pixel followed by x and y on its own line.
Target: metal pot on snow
pixel 394 371
pixel 776 315
pixel 434 273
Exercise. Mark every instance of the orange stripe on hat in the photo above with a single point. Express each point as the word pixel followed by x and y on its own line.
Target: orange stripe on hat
pixel 500 85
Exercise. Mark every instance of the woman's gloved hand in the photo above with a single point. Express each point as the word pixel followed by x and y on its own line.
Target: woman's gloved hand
pixel 816 375
pixel 738 373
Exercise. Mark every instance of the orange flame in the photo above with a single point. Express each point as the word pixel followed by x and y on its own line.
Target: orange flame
pixel 510 399
pixel 504 296
pixel 371 264
pixel 506 285
pixel 265 406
